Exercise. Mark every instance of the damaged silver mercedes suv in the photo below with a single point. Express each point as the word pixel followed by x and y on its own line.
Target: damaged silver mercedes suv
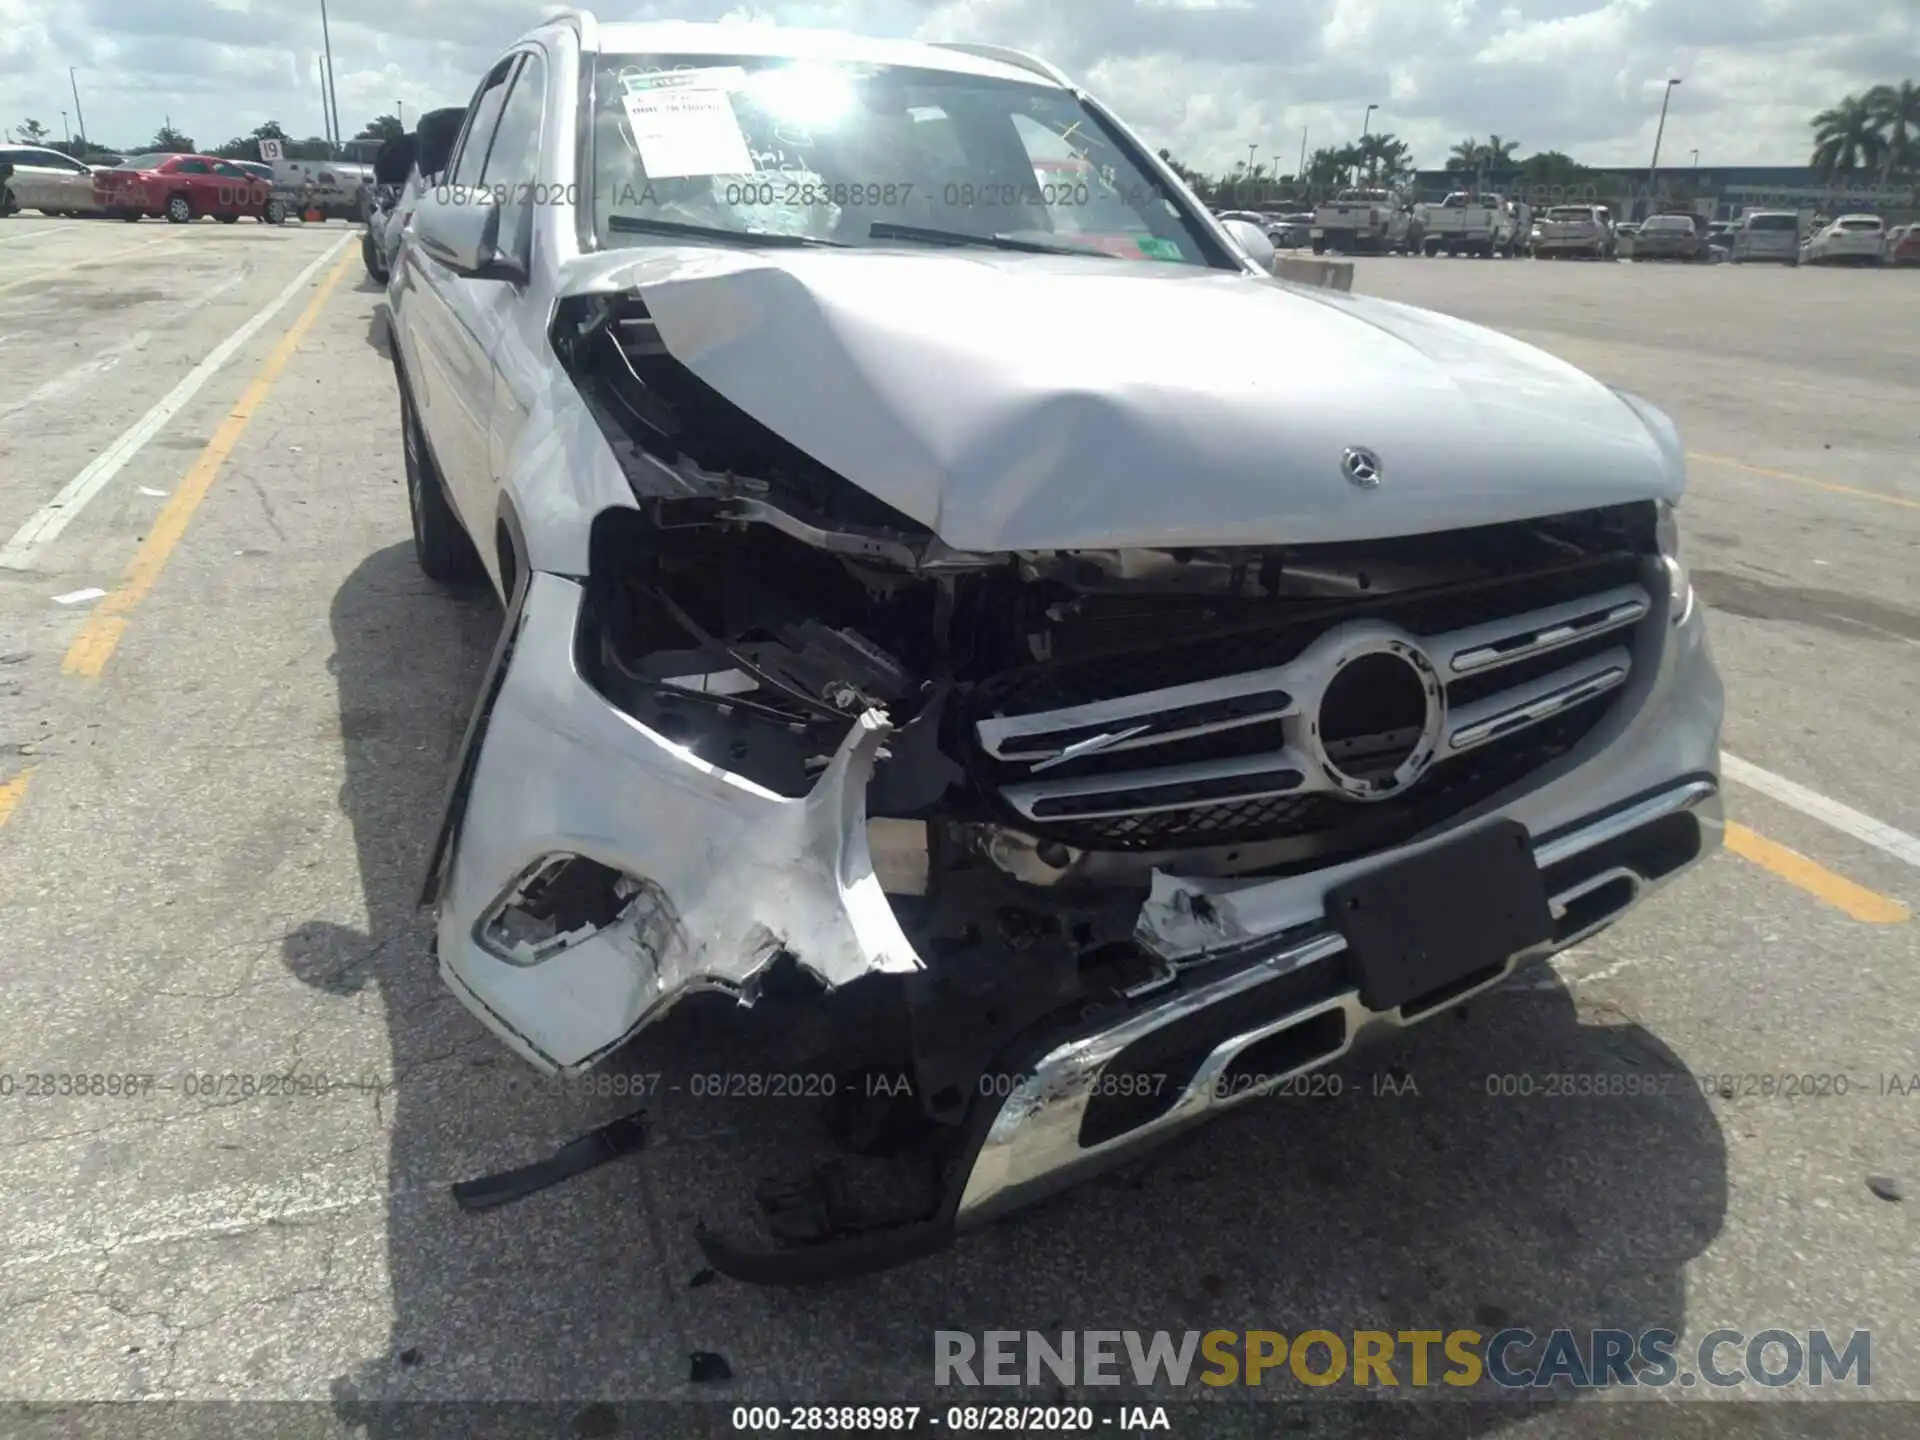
pixel 936 610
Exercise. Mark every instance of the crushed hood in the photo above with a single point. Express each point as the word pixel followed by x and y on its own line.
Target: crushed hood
pixel 1020 402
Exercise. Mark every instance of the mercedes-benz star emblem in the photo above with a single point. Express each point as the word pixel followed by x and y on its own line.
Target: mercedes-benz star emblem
pixel 1362 467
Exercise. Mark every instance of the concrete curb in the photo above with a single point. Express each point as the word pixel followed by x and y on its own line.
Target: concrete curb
pixel 1327 274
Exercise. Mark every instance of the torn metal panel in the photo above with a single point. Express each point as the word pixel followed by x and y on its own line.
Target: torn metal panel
pixel 749 875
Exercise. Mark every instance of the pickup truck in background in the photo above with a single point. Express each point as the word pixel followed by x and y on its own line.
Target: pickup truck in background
pixel 335 188
pixel 1376 222
pixel 1469 223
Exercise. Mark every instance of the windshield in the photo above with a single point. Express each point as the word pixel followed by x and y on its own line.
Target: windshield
pixel 143 162
pixel 1668 222
pixel 1859 225
pixel 1774 222
pixel 758 146
pixel 1565 212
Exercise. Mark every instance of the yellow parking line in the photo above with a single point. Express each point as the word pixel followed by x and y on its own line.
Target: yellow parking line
pixel 1796 869
pixel 1833 485
pixel 11 792
pixel 94 646
pixel 72 265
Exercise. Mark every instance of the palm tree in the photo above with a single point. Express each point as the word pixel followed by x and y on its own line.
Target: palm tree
pixel 1384 159
pixel 1466 155
pixel 1497 152
pixel 1895 109
pixel 1846 138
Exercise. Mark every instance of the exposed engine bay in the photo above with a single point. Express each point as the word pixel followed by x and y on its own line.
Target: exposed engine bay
pixel 1069 755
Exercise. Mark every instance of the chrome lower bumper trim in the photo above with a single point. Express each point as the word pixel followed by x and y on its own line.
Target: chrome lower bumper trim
pixel 1033 1148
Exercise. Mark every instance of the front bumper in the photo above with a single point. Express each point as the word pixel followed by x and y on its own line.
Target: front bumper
pixel 1036 1144
pixel 739 875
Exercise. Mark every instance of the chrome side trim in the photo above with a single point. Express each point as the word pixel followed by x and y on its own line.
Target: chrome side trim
pixel 1032 1147
pixel 1524 705
pixel 1502 642
pixel 995 733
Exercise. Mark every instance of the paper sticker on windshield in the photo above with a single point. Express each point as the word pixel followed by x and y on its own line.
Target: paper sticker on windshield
pixel 1159 249
pixel 704 77
pixel 685 129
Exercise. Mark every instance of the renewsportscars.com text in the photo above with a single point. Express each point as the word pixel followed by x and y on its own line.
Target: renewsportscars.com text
pixel 1512 1359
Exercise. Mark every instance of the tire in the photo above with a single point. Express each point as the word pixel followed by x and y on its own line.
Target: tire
pixel 7 206
pixel 179 210
pixel 275 213
pixel 370 257
pixel 441 545
pixel 1319 247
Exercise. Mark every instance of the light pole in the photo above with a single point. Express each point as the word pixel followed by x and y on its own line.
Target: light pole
pixel 1367 120
pixel 63 127
pixel 79 115
pixel 1654 164
pixel 329 96
pixel 400 114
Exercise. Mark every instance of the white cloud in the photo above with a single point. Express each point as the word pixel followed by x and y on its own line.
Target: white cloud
pixel 1203 77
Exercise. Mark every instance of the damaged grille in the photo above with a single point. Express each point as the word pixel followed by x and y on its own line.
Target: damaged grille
pixel 1353 726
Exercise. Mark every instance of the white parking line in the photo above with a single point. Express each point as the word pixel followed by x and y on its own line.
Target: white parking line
pixel 88 369
pixel 44 526
pixel 37 234
pixel 1844 818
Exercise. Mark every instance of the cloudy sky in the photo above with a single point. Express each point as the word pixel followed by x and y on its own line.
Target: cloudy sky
pixel 1205 77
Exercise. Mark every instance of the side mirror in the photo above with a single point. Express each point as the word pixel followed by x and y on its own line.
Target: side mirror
pixel 462 232
pixel 1252 241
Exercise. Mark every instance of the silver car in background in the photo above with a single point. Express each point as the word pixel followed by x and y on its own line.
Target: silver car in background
pixel 943 628
pixel 1767 235
pixel 47 181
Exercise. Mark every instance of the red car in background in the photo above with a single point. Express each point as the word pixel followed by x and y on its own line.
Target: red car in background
pixel 1903 245
pixel 185 187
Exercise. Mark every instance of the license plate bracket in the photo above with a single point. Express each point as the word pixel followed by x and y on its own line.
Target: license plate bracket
pixel 1435 918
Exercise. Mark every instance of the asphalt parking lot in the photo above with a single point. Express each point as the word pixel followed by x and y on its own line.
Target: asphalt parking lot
pixel 220 773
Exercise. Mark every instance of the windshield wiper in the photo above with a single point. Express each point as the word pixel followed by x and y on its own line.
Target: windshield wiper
pixel 648 225
pixel 886 230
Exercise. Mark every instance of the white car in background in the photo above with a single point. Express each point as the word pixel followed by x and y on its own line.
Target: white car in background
pixel 47 181
pixel 1852 239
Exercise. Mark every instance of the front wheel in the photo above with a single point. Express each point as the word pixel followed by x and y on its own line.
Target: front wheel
pixel 179 209
pixel 275 213
pixel 441 545
pixel 370 257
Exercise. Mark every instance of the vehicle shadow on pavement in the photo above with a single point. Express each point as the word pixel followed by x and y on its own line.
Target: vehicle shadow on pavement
pixel 1421 1197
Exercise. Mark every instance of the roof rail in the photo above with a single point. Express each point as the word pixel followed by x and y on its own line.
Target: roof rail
pixel 1007 56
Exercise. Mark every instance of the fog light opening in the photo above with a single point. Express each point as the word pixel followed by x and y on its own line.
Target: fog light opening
pixel 557 903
